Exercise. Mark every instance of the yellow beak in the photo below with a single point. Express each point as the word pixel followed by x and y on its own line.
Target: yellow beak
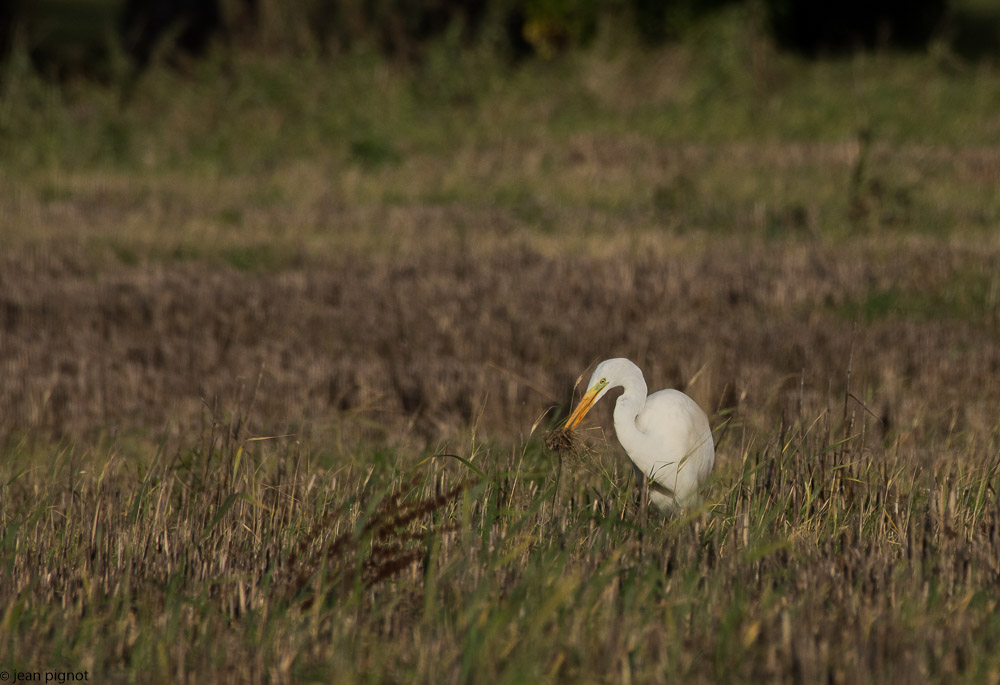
pixel 586 402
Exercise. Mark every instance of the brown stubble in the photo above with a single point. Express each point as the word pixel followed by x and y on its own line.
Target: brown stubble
pixel 426 344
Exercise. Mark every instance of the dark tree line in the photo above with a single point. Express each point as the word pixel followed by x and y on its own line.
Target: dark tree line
pixel 147 29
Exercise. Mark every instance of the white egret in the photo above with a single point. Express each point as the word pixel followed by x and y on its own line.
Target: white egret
pixel 666 435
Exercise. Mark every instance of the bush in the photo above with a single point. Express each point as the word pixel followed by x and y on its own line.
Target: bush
pixel 815 28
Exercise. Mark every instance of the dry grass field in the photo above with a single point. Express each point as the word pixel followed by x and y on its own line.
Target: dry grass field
pixel 275 370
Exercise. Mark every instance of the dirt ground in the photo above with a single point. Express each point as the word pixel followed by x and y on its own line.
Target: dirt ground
pixel 419 349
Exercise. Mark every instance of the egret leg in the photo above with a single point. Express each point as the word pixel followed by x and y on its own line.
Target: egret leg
pixel 643 494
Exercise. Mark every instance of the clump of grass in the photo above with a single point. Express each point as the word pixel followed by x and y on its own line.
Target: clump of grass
pixel 385 542
pixel 562 440
pixel 573 453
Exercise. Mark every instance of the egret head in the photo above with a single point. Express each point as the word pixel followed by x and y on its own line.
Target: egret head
pixel 608 374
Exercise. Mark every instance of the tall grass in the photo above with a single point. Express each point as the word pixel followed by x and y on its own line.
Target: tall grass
pixel 818 555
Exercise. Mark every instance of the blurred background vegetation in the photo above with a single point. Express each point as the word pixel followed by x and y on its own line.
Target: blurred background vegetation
pixel 90 37
pixel 245 84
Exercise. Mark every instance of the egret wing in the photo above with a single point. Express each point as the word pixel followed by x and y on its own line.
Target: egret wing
pixel 678 451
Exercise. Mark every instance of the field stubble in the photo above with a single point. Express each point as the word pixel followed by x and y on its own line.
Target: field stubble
pixel 428 344
pixel 851 531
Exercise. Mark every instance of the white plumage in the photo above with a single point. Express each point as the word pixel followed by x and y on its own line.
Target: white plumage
pixel 666 435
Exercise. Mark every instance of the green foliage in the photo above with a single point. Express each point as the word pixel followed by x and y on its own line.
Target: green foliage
pixel 86 36
pixel 373 152
pixel 551 26
pixel 251 258
pixel 963 296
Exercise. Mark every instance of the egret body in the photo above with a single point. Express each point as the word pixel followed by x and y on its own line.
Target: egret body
pixel 666 435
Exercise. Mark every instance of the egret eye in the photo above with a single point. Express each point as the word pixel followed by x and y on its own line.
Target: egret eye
pixel 603 381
